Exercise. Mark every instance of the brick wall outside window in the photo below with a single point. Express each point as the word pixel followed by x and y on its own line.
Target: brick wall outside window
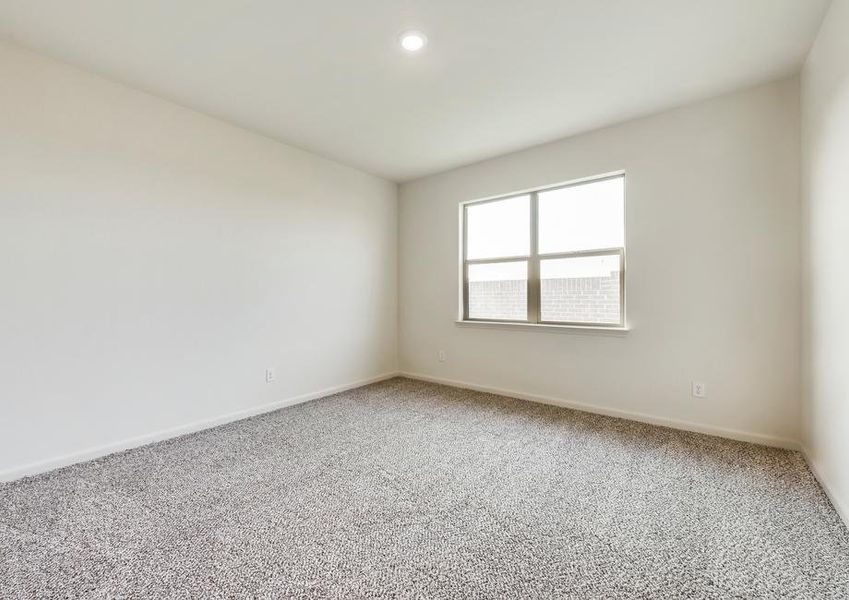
pixel 584 299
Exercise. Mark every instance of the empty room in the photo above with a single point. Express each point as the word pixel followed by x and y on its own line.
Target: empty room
pixel 424 299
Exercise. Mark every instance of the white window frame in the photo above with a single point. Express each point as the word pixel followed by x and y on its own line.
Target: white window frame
pixel 533 259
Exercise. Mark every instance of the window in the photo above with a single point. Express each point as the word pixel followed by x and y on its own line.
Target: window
pixel 550 256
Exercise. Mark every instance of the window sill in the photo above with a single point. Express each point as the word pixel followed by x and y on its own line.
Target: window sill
pixel 588 329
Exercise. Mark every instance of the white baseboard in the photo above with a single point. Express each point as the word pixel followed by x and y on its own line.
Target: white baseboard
pixel 743 436
pixel 841 507
pixel 158 436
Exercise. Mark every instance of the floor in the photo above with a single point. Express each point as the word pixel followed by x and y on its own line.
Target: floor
pixel 409 489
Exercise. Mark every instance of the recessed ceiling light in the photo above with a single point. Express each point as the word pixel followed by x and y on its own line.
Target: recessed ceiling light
pixel 413 41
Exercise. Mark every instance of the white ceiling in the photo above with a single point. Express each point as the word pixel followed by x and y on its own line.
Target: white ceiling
pixel 497 76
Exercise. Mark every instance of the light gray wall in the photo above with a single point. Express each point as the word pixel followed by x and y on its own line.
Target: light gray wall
pixel 713 277
pixel 825 109
pixel 147 255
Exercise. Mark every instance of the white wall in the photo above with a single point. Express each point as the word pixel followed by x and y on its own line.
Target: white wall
pixel 825 117
pixel 154 261
pixel 713 276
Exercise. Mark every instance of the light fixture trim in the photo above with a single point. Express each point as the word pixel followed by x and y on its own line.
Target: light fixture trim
pixel 412 40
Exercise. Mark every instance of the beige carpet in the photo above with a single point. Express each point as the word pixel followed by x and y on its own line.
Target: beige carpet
pixel 406 489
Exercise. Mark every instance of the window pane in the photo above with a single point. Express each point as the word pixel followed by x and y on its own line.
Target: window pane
pixel 583 217
pixel 499 291
pixel 580 290
pixel 499 229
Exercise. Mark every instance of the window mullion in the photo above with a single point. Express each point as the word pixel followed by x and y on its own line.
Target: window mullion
pixel 465 263
pixel 533 265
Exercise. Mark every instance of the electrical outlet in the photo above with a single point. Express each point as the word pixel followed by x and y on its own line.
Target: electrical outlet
pixel 699 390
pixel 269 375
pixel 441 355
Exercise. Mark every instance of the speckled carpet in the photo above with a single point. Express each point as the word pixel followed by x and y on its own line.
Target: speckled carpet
pixel 407 489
